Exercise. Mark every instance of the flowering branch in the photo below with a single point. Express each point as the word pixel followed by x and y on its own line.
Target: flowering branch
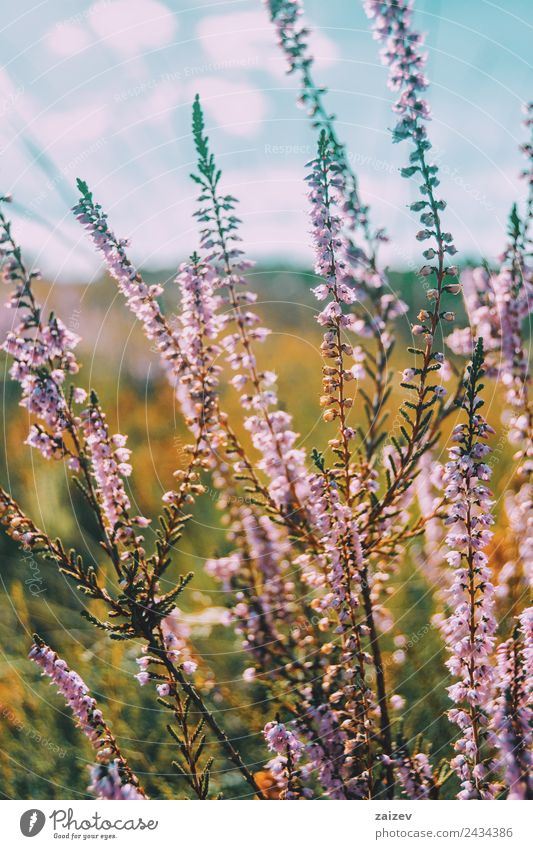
pixel 292 38
pixel 512 714
pixel 112 777
pixel 470 628
pixel 391 25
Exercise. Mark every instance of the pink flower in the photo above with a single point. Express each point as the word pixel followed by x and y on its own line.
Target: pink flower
pixel 469 629
pixel 107 454
pixel 140 297
pixel 169 497
pixel 112 777
pixel 281 740
pixel 201 324
pixel 511 713
pixel 414 773
pixel 106 783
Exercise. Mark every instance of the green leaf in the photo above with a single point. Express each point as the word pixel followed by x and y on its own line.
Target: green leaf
pixel 83 188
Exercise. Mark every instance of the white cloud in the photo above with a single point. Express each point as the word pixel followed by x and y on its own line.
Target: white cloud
pixel 162 101
pixel 52 253
pixel 251 36
pixel 67 39
pixel 11 96
pixel 132 26
pixel 273 209
pixel 237 106
pixel 127 26
pixel 62 128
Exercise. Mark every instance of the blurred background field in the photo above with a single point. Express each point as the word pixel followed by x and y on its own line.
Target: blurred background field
pixel 42 755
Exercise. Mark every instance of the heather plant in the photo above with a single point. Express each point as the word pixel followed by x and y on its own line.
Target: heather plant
pixel 313 539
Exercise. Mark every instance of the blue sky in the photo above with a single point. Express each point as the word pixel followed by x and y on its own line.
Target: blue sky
pixel 103 90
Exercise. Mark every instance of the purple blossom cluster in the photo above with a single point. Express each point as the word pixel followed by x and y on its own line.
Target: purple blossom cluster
pixel 415 774
pixel 339 287
pixel 42 352
pixel 109 464
pixel 106 783
pixel 470 628
pixel 140 297
pixel 200 324
pixel 512 716
pixel 391 25
pixel 257 573
pixel 284 766
pixel 111 778
pixel 281 740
